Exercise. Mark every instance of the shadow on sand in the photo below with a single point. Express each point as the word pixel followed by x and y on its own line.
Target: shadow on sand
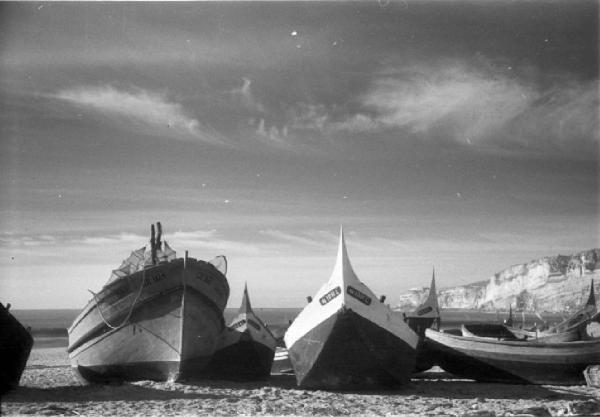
pixel 445 385
pixel 99 393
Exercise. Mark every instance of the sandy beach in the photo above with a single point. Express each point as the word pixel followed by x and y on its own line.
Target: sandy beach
pixel 48 387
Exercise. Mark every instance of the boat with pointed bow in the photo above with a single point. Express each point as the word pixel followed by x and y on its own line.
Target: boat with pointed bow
pixel 425 316
pixel 346 338
pixel 159 317
pixel 247 347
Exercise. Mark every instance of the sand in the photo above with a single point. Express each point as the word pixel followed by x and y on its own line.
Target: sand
pixel 48 387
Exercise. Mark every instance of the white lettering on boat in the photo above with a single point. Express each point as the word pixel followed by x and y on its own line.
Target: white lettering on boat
pixel 330 295
pixel 363 298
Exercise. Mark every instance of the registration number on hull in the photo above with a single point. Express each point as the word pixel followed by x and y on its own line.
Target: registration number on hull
pixel 330 295
pixel 363 298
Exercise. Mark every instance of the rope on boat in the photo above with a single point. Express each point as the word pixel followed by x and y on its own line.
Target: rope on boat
pixel 137 297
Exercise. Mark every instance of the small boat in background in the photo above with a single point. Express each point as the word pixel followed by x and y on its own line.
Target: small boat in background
pixel 346 338
pixel 15 347
pixel 159 317
pixel 519 362
pixel 571 329
pixel 426 316
pixel 246 349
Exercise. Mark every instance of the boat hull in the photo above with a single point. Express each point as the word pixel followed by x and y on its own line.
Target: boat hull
pixel 169 331
pixel 15 346
pixel 514 362
pixel 246 359
pixel 348 351
pixel 281 362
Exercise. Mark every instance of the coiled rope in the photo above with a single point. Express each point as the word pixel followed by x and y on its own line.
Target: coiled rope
pixel 126 319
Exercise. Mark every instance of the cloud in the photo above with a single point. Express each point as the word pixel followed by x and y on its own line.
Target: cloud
pixel 143 110
pixel 479 105
pixel 468 105
pixel 314 239
pixel 564 116
pixel 246 97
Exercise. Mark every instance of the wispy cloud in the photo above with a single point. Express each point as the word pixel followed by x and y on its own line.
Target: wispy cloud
pixel 468 105
pixel 471 104
pixel 246 97
pixel 143 110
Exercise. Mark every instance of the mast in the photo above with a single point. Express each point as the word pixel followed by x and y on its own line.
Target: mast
pixel 510 320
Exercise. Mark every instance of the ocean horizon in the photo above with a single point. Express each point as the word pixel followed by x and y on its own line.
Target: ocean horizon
pixel 48 324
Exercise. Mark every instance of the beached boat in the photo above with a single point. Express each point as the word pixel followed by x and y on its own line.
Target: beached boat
pixel 159 317
pixel 501 332
pixel 347 338
pixel 426 316
pixel 571 329
pixel 518 362
pixel 246 349
pixel 15 346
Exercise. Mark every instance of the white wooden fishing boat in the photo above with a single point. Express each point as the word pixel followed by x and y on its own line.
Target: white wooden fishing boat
pixel 347 338
pixel 159 317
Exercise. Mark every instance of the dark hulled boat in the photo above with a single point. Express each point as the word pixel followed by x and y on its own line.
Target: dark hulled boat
pixel 426 316
pixel 246 349
pixel 159 317
pixel 346 338
pixel 518 362
pixel 15 346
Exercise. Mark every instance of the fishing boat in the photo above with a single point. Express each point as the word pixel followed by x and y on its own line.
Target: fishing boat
pixel 246 349
pixel 426 316
pixel 346 338
pixel 159 317
pixel 572 328
pixel 519 362
pixel 15 346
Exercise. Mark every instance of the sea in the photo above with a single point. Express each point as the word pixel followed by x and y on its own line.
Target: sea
pixel 49 327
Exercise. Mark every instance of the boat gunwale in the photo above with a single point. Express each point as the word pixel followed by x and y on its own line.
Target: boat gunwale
pixel 511 343
pixel 95 301
pixel 102 325
pixel 104 292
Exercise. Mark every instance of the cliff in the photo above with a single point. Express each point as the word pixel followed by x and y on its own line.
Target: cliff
pixel 551 284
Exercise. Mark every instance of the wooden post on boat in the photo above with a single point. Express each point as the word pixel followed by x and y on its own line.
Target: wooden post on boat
pixel 185 259
pixel 158 243
pixel 152 245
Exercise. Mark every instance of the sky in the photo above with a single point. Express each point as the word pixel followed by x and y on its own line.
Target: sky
pixel 460 135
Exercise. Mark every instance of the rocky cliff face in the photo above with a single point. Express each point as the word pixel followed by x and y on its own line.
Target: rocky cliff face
pixel 552 284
